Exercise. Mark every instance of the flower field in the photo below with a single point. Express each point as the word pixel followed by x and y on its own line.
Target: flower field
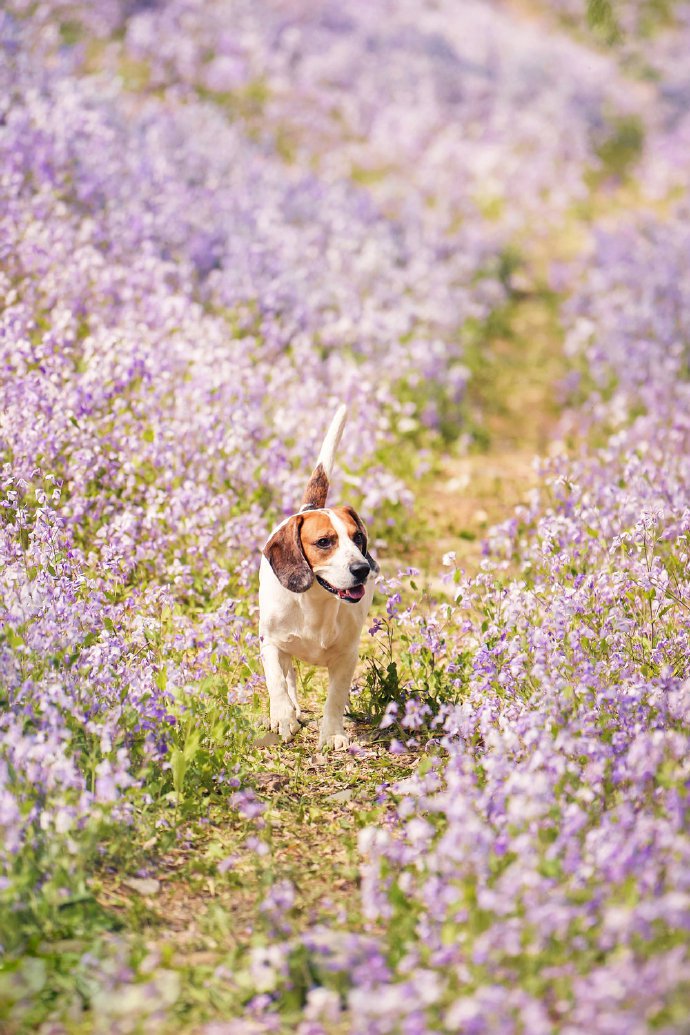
pixel 218 219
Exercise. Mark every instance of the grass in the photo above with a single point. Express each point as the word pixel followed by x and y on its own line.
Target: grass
pixel 308 796
pixel 200 919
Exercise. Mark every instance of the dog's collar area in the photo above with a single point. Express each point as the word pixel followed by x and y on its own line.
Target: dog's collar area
pixel 354 594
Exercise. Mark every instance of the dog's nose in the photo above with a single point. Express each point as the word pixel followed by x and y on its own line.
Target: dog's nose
pixel 360 571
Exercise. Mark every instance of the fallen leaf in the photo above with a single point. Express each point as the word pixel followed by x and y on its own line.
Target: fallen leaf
pixel 268 740
pixel 341 796
pixel 142 885
pixel 270 781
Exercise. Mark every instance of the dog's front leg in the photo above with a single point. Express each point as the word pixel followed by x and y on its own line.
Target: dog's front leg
pixel 340 673
pixel 282 691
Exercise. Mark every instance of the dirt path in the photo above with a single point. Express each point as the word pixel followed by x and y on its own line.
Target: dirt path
pixel 515 393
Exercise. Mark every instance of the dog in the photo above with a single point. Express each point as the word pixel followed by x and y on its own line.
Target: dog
pixel 314 594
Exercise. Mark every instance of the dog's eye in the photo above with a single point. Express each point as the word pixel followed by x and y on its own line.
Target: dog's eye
pixel 359 540
pixel 323 544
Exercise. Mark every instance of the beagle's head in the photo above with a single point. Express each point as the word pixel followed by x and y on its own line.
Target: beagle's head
pixel 328 545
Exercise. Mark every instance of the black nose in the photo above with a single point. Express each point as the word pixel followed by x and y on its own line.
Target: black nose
pixel 360 571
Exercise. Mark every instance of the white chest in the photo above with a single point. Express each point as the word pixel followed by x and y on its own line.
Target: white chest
pixel 312 626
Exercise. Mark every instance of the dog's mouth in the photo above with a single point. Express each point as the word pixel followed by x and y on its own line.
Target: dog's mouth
pixel 353 594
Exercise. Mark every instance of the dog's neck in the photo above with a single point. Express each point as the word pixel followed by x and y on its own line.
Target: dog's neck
pixel 320 613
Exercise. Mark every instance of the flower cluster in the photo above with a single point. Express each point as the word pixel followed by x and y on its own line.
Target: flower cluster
pixel 422 102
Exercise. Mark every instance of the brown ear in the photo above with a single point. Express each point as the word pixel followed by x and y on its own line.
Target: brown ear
pixel 284 553
pixel 363 529
pixel 316 491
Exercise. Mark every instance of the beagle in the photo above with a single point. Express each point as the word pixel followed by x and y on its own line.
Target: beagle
pixel 314 594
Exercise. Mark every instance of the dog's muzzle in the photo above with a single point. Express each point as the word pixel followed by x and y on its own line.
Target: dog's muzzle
pixel 353 594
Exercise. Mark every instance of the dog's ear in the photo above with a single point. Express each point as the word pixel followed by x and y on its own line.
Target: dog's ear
pixel 372 563
pixel 284 553
pixel 363 529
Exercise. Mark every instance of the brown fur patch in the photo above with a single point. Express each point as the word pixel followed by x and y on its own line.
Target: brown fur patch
pixel 285 555
pixel 316 491
pixel 314 527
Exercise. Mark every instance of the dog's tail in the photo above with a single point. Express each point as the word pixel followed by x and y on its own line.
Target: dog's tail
pixel 317 487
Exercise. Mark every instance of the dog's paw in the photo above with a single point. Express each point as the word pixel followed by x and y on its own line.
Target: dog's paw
pixel 334 742
pixel 285 724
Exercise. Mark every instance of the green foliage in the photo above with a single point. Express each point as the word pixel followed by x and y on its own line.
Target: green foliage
pixel 86 987
pixel 407 670
pixel 602 19
pixel 214 735
pixel 620 23
pixel 50 878
pixel 622 147
pixel 381 689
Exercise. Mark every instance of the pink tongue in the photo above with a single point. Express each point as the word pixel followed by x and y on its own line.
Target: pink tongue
pixel 356 593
